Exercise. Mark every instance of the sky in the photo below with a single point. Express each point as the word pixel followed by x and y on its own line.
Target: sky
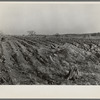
pixel 49 18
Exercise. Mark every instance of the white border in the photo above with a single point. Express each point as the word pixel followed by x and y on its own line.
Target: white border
pixel 60 91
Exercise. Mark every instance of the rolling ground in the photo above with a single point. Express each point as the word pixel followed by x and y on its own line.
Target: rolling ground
pixel 49 60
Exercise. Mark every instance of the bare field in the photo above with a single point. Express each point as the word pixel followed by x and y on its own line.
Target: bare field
pixel 49 60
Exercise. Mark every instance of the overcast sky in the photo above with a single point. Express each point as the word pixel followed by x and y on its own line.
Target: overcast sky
pixel 49 18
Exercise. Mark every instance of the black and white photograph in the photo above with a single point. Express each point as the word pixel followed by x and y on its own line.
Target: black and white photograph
pixel 49 43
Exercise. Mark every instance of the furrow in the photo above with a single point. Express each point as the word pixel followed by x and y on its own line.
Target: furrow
pixel 9 64
pixel 40 70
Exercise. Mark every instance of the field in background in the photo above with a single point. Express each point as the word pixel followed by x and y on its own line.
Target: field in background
pixel 50 59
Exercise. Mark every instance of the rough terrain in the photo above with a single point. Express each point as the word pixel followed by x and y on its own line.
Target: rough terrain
pixel 49 60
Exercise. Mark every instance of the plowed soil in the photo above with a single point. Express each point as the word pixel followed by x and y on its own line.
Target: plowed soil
pixel 49 60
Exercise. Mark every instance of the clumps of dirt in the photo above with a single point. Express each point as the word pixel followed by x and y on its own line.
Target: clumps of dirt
pixel 68 63
pixel 58 60
pixel 2 39
pixel 67 59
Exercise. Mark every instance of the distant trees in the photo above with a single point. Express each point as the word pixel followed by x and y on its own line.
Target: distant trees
pixel 57 34
pixel 31 32
pixel 95 34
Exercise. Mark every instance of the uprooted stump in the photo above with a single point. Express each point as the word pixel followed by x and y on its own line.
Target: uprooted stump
pixel 73 73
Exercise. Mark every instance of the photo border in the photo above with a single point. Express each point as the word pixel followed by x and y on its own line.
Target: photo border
pixel 7 89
